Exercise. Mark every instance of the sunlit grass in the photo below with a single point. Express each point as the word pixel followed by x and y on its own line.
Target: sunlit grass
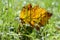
pixel 9 20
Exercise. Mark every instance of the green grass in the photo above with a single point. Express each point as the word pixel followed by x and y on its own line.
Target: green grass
pixel 9 20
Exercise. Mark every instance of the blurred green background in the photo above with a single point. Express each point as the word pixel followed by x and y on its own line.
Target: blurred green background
pixel 9 20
